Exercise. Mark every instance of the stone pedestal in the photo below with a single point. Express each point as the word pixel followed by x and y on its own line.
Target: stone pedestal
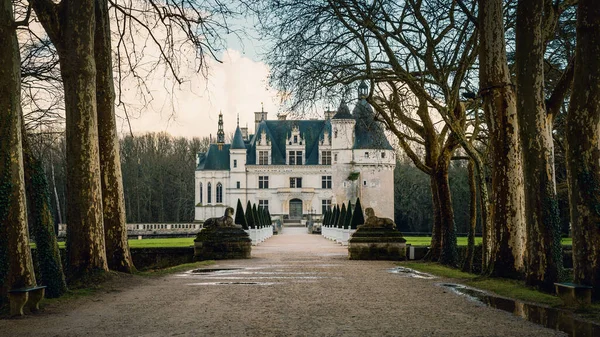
pixel 221 243
pixel 369 243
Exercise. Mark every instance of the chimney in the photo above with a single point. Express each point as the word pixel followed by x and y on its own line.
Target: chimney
pixel 281 117
pixel 259 116
pixel 244 131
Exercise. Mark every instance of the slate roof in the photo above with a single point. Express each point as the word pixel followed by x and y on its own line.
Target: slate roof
pixel 214 159
pixel 368 134
pixel 343 112
pixel 278 132
pixel 238 140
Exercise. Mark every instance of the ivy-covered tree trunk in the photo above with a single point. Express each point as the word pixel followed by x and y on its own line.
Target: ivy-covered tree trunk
pixel 583 148
pixel 543 263
pixel 16 266
pixel 70 25
pixel 499 104
pixel 42 224
pixel 113 201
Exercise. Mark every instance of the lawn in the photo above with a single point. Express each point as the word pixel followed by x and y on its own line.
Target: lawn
pixel 186 242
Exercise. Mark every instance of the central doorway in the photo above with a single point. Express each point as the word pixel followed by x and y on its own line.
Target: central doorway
pixel 295 209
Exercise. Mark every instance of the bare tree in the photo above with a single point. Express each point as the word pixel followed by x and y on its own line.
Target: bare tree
pixel 408 50
pixel 16 270
pixel 583 148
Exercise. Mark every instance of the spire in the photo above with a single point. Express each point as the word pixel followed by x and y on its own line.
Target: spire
pixel 363 90
pixel 238 120
pixel 220 132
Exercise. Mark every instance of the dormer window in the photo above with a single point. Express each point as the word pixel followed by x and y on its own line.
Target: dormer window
pixel 295 158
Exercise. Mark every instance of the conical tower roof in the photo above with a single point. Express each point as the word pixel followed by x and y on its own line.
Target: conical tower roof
pixel 343 112
pixel 238 140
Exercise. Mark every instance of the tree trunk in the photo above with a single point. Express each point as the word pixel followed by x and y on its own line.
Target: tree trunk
pixel 448 254
pixel 16 266
pixel 70 26
pixel 543 262
pixel 468 263
pixel 435 249
pixel 583 148
pixel 113 201
pixel 42 224
pixel 499 103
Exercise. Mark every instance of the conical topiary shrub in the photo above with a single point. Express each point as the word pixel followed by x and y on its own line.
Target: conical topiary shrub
pixel 358 218
pixel 240 217
pixel 340 222
pixel 348 218
pixel 256 218
pixel 250 216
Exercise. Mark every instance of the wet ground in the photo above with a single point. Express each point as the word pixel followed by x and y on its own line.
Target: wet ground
pixel 296 284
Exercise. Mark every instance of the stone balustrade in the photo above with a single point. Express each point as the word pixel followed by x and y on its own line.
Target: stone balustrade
pixel 259 235
pixel 339 235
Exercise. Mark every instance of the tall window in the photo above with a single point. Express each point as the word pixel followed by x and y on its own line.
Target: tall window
pixel 237 184
pixel 295 158
pixel 325 181
pixel 295 182
pixel 201 193
pixel 263 204
pixel 335 157
pixel 235 163
pixel 209 193
pixel 263 157
pixel 325 205
pixel 219 193
pixel 326 157
pixel 263 181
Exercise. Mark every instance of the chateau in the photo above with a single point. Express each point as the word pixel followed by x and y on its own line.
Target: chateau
pixel 299 167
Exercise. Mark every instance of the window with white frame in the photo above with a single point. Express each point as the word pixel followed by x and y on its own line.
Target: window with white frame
pixel 263 157
pixel 263 181
pixel 219 193
pixel 209 193
pixel 264 204
pixel 237 184
pixel 325 205
pixel 326 157
pixel 200 193
pixel 235 163
pixel 325 181
pixel 295 158
pixel 295 182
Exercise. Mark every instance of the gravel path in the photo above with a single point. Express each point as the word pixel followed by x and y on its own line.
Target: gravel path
pixel 296 284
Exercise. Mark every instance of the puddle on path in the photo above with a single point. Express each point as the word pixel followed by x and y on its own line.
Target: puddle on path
pixel 232 283
pixel 552 318
pixel 408 272
pixel 214 270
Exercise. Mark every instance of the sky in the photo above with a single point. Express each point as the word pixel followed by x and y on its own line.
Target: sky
pixel 238 85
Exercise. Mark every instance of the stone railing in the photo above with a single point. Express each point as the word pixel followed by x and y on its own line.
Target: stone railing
pixel 339 235
pixel 259 235
pixel 158 229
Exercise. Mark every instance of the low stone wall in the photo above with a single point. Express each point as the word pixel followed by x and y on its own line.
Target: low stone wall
pixel 147 258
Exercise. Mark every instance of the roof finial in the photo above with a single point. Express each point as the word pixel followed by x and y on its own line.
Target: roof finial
pixel 238 120
pixel 262 107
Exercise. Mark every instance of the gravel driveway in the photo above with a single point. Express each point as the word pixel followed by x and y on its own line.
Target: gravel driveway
pixel 296 284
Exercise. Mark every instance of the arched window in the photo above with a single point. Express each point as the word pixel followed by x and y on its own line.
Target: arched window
pixel 209 193
pixel 200 193
pixel 219 193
